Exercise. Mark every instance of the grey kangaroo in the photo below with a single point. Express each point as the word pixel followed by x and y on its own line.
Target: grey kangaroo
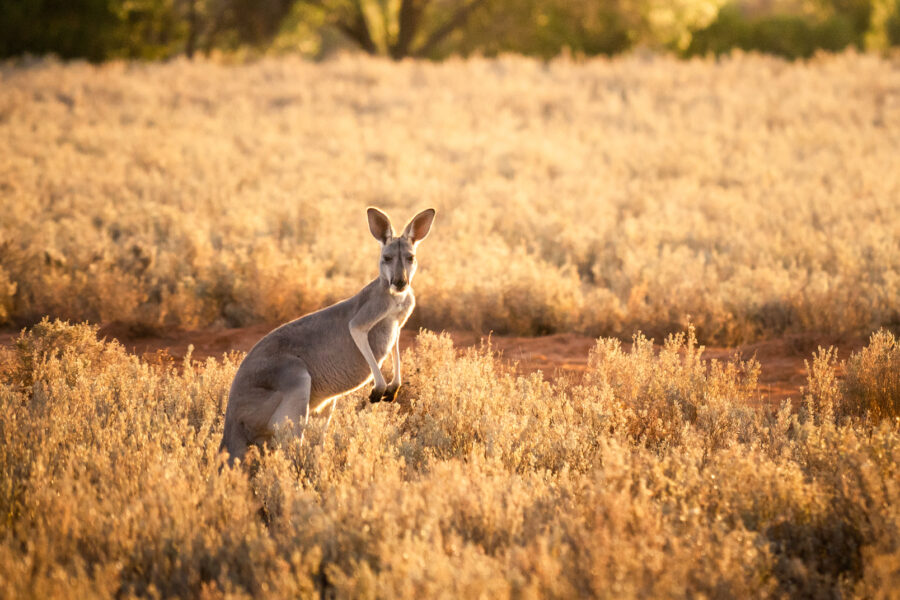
pixel 310 362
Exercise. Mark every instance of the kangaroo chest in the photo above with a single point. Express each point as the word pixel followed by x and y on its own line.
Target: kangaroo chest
pixel 384 334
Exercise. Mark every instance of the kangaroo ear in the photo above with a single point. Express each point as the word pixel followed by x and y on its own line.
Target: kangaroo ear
pixel 380 225
pixel 416 230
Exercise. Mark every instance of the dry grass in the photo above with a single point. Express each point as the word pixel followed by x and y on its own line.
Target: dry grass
pixel 871 388
pixel 650 477
pixel 756 196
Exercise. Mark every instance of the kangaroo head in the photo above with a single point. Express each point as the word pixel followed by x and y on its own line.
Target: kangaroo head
pixel 397 260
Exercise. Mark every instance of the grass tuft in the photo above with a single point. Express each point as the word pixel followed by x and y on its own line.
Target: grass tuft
pixel 650 476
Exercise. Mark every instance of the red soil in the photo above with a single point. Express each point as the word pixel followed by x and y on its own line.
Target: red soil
pixel 782 359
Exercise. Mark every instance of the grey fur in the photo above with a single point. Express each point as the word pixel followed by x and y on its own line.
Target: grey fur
pixel 310 362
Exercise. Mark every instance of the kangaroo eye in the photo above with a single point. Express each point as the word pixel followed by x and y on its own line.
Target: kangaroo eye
pixel 387 258
pixel 410 257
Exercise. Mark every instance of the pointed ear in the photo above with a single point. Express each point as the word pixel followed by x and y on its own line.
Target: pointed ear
pixel 380 225
pixel 418 228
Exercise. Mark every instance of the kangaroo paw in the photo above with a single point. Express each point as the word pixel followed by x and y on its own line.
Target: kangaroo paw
pixel 390 394
pixel 376 395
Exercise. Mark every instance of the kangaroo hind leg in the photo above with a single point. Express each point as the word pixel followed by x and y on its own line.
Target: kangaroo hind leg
pixel 293 409
pixel 234 443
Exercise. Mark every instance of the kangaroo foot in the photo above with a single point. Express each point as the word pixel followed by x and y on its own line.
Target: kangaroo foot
pixel 376 395
pixel 390 394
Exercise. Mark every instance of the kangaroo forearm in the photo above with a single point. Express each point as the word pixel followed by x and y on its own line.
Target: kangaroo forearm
pixel 361 338
pixel 396 358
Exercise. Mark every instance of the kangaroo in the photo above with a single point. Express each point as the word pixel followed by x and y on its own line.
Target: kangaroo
pixel 313 360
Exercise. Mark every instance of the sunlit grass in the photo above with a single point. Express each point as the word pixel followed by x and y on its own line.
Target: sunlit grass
pixel 651 476
pixel 748 196
pixel 756 196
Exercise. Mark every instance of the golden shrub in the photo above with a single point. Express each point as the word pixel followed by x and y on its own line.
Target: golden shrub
pixel 651 476
pixel 873 379
pixel 607 196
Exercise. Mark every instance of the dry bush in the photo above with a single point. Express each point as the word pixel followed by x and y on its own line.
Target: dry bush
pixel 873 379
pixel 870 389
pixel 604 196
pixel 660 395
pixel 650 477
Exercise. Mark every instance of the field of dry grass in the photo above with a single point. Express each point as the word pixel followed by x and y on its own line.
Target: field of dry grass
pixel 749 196
pixel 757 196
pixel 650 476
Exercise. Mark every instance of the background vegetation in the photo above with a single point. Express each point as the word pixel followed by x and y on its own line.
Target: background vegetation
pixel 106 29
pixel 748 195
pixel 756 196
pixel 650 476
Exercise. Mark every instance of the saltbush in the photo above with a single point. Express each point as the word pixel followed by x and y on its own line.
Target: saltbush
pixel 652 475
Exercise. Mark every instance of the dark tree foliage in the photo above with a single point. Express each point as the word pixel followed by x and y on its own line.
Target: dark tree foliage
pixel 253 22
pixel 541 28
pixel 95 29
pixel 69 28
pixel 793 36
pixel 148 29
pixel 893 26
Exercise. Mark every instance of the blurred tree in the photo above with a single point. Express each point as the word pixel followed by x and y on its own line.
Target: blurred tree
pixel 825 25
pixel 70 28
pixel 149 29
pixel 543 28
pixel 396 28
pixel 93 29
pixel 858 13
pixel 546 27
pixel 193 24
pixel 670 23
pixel 878 36
pixel 892 26
pixel 237 22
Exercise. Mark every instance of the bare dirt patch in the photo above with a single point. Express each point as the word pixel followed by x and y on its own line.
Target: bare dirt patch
pixel 782 359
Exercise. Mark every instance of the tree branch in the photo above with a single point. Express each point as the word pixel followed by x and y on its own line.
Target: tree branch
pixel 357 29
pixel 458 19
pixel 190 45
pixel 353 26
pixel 409 21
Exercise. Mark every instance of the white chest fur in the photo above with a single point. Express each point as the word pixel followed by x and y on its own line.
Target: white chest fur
pixel 403 302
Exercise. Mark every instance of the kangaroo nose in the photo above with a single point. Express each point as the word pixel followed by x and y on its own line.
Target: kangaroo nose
pixel 400 284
